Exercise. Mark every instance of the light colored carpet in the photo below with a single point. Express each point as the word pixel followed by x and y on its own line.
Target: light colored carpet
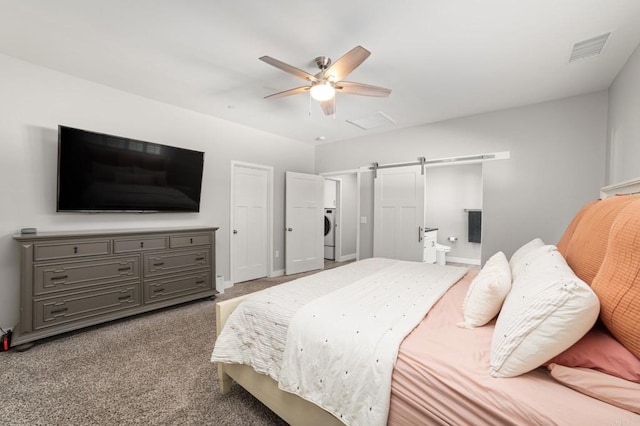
pixel 152 369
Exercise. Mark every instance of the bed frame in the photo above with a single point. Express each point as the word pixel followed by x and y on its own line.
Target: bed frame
pixel 292 408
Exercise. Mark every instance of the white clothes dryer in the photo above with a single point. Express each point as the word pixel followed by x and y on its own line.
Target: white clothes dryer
pixel 330 234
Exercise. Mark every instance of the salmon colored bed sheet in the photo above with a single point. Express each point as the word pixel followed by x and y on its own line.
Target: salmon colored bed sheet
pixel 442 377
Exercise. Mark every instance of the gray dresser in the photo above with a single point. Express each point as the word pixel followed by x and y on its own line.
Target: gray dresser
pixel 70 280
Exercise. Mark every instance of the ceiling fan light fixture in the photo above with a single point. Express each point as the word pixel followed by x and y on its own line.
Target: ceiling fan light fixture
pixel 323 85
pixel 323 91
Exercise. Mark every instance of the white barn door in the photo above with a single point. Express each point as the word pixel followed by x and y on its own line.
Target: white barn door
pixel 398 219
pixel 304 223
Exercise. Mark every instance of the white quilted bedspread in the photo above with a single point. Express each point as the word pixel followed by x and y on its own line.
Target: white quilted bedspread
pixel 256 332
pixel 342 347
pixel 333 337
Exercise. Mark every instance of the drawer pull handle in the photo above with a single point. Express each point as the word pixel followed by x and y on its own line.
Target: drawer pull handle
pixel 191 240
pixel 158 290
pixel 59 311
pixel 200 258
pixel 75 250
pixel 125 297
pixel 158 264
pixel 61 277
pixel 126 268
pixel 141 244
pixel 200 282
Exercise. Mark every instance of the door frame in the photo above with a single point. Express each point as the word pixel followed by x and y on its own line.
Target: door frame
pixel 269 230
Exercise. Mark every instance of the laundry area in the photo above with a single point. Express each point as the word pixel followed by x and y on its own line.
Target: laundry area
pixel 330 210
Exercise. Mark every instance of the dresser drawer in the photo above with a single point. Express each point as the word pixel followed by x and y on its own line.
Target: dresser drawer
pixel 178 241
pixel 138 244
pixel 62 309
pixel 77 275
pixel 70 249
pixel 175 286
pixel 163 263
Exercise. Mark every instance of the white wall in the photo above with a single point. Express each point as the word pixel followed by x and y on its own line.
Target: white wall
pixel 36 100
pixel 623 132
pixel 449 190
pixel 557 164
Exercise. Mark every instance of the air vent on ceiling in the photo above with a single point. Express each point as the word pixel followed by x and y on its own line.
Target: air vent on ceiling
pixel 588 48
pixel 378 119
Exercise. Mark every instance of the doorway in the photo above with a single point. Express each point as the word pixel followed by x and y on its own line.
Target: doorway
pixel 453 192
pixel 345 206
pixel 332 210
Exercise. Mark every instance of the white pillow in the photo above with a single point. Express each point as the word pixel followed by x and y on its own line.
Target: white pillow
pixel 547 310
pixel 529 258
pixel 522 251
pixel 487 292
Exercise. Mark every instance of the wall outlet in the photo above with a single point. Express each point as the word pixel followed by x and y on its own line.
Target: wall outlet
pixel 277 253
pixel 363 219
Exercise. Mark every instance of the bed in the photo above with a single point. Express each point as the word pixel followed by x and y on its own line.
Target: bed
pixel 456 362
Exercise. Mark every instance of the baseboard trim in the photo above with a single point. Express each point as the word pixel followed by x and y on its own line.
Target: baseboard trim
pixel 462 260
pixel 223 285
pixel 278 273
pixel 347 257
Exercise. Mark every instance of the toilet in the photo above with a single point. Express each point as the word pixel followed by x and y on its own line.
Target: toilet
pixel 441 251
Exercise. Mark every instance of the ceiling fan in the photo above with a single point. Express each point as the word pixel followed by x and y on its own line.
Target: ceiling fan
pixel 324 85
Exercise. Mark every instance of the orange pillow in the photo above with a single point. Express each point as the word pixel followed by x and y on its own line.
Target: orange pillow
pixel 588 245
pixel 563 244
pixel 618 281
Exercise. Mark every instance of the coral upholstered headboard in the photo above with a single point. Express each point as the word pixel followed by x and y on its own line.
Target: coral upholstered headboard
pixel 586 247
pixel 602 246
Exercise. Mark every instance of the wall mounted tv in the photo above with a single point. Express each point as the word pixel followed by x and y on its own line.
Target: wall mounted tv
pixel 105 173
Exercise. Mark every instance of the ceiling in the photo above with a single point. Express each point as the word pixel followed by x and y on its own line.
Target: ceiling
pixel 442 58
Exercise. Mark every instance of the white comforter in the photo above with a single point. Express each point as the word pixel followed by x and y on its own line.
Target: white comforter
pixel 302 333
pixel 256 332
pixel 341 348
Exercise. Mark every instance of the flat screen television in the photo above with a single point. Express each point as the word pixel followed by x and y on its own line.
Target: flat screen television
pixel 104 173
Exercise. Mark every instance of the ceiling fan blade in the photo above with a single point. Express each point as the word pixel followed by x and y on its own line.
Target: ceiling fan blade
pixel 329 107
pixel 347 63
pixel 288 68
pixel 289 92
pixel 361 89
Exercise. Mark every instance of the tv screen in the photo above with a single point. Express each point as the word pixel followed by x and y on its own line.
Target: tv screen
pixel 105 173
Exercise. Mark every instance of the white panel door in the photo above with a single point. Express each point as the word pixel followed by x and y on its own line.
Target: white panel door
pixel 250 239
pixel 398 218
pixel 304 223
pixel 330 193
